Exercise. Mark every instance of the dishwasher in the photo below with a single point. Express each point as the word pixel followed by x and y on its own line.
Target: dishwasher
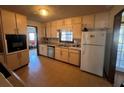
pixel 51 51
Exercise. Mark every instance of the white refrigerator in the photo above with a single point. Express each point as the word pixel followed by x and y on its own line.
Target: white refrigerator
pixel 92 52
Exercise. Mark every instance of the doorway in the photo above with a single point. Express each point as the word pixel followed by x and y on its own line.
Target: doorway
pixel 119 75
pixel 111 71
pixel 32 40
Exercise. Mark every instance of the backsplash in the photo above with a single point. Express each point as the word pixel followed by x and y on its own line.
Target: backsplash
pixel 56 41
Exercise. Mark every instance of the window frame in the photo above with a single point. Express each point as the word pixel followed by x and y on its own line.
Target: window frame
pixel 60 35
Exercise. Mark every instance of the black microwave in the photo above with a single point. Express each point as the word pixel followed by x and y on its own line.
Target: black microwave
pixel 16 42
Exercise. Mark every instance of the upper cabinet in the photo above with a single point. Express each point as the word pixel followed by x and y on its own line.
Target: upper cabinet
pixel 8 22
pixel 54 29
pixel 60 24
pixel 76 20
pixel 101 20
pixel 77 31
pixel 88 22
pixel 21 24
pixel 68 24
pixel 13 23
pixel 48 30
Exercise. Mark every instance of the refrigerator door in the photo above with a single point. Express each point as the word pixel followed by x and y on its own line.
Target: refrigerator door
pixel 94 37
pixel 92 59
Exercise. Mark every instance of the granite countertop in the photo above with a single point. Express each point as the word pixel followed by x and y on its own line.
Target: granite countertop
pixel 4 82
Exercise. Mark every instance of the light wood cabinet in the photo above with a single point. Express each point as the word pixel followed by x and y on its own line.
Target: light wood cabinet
pixel 21 24
pixel 12 61
pixel 58 53
pixel 13 23
pixel 68 21
pixel 61 54
pixel 101 20
pixel 76 20
pixel 24 57
pixel 17 60
pixel 8 22
pixel 54 29
pixel 74 57
pixel 43 50
pixel 68 24
pixel 1 58
pixel 60 24
pixel 88 22
pixel 48 30
pixel 64 54
pixel 76 31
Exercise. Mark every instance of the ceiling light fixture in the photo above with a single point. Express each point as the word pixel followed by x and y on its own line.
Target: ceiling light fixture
pixel 43 12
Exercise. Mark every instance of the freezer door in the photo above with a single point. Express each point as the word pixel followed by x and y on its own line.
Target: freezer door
pixel 92 59
pixel 94 37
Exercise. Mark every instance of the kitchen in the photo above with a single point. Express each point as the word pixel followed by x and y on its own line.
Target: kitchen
pixel 61 42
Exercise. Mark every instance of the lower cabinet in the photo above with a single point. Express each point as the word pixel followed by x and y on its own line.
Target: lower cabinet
pixel 64 54
pixel 17 60
pixel 67 55
pixel 12 61
pixel 24 58
pixel 1 58
pixel 74 57
pixel 61 54
pixel 43 50
pixel 58 53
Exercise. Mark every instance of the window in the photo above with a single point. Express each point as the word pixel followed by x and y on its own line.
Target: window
pixel 120 53
pixel 66 36
pixel 31 36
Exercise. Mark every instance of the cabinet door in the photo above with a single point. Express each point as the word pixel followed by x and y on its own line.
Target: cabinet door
pixel 101 20
pixel 48 30
pixel 9 22
pixel 54 30
pixel 24 57
pixel 2 58
pixel 74 57
pixel 88 22
pixel 68 21
pixel 58 53
pixel 21 24
pixel 60 24
pixel 43 50
pixel 64 55
pixel 76 20
pixel 77 31
pixel 12 61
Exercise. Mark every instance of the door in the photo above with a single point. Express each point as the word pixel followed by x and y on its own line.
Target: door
pixel 92 59
pixel 110 73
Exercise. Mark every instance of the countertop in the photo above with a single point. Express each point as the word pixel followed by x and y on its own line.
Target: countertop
pixel 69 47
pixel 4 82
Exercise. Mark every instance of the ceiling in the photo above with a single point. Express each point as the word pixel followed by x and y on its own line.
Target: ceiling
pixel 56 11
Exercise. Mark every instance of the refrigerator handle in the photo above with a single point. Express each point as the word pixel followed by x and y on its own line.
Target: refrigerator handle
pixel 83 49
